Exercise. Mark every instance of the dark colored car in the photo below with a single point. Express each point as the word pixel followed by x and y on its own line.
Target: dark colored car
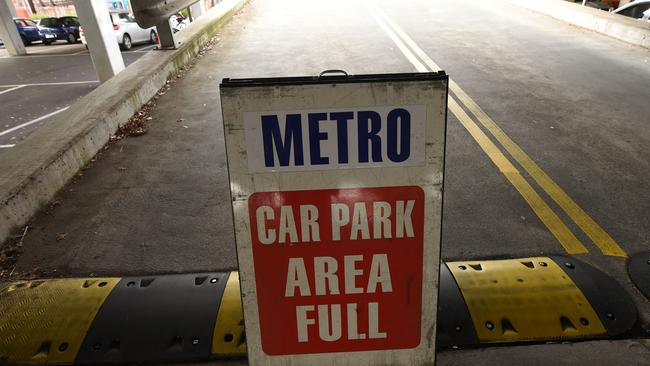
pixel 62 28
pixel 28 30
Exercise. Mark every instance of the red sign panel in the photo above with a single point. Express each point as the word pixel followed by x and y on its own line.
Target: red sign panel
pixel 338 270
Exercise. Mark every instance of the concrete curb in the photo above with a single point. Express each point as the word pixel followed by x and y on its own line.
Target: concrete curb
pixel 612 25
pixel 33 172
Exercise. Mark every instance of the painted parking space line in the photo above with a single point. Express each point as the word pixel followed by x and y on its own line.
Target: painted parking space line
pixel 41 55
pixel 23 125
pixel 595 232
pixel 12 88
pixel 7 146
pixel 143 49
pixel 556 226
pixel 50 84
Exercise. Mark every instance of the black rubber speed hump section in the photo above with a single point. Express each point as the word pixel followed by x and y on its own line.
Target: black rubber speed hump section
pixel 638 267
pixel 156 319
pixel 614 306
pixel 455 328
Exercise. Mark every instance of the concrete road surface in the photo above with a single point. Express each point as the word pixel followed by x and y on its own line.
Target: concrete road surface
pixel 43 83
pixel 571 105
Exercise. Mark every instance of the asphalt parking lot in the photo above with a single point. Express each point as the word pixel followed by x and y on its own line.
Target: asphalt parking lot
pixel 44 83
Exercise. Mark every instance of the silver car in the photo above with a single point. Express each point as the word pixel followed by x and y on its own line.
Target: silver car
pixel 128 32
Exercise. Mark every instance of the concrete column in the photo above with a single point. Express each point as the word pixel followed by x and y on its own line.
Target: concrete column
pixel 12 8
pixel 8 31
pixel 166 35
pixel 196 10
pixel 98 30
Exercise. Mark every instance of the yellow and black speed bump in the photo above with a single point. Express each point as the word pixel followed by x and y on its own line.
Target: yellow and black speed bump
pixel 158 318
pixel 541 299
pixel 614 306
pixel 638 267
pixel 192 317
pixel 45 321
pixel 229 338
pixel 455 326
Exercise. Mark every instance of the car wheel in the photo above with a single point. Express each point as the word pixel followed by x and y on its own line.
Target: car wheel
pixel 126 42
pixel 71 38
pixel 153 37
pixel 26 41
pixel 47 42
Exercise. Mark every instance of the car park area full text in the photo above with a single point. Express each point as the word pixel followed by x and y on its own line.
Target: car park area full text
pixel 350 263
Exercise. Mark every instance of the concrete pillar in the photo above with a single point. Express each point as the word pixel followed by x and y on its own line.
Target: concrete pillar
pixel 98 30
pixel 8 31
pixel 166 35
pixel 12 8
pixel 196 10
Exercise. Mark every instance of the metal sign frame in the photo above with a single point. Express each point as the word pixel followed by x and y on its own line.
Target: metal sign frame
pixel 246 100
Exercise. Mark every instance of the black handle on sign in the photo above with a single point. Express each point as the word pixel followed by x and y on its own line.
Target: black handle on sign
pixel 333 71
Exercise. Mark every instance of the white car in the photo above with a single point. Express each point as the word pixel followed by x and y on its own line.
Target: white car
pixel 128 32
pixel 639 9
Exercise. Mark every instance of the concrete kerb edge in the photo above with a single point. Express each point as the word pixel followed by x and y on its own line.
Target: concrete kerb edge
pixel 45 178
pixel 612 25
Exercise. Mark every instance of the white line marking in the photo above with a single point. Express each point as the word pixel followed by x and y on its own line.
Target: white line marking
pixel 143 49
pixel 33 121
pixel 41 55
pixel 7 146
pixel 80 52
pixel 12 89
pixel 48 84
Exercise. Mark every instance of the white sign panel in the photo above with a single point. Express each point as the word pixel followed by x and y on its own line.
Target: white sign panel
pixel 336 186
pixel 336 138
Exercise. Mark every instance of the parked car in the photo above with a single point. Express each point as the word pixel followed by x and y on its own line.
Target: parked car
pixel 28 30
pixel 127 31
pixel 640 9
pixel 61 28
pixel 607 5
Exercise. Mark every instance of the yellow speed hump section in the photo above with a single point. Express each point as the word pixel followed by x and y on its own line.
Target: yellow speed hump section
pixel 229 338
pixel 525 299
pixel 45 321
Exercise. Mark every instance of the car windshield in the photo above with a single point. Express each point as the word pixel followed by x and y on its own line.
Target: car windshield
pixel 25 22
pixel 50 22
pixel 70 21
pixel 120 17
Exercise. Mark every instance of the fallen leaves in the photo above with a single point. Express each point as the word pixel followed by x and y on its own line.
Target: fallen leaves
pixel 9 254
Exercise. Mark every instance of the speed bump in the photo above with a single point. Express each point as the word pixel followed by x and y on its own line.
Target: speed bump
pixel 155 319
pixel 45 321
pixel 199 316
pixel 523 300
pixel 229 338
pixel 638 267
pixel 542 299
pixel 455 327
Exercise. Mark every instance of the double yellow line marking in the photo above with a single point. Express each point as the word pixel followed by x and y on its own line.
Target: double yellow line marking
pixel 567 239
